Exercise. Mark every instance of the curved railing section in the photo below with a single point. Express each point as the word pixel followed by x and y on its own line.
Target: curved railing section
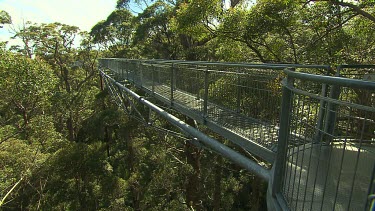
pixel 330 164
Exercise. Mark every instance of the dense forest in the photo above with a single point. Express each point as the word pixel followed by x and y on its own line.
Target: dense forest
pixel 64 144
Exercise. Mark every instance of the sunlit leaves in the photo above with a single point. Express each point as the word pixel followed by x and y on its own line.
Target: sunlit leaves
pixel 116 32
pixel 197 12
pixel 4 18
pixel 27 86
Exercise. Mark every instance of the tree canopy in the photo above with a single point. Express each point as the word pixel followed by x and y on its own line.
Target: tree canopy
pixel 4 18
pixel 285 31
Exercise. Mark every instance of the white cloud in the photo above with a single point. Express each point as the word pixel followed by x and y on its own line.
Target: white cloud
pixel 82 13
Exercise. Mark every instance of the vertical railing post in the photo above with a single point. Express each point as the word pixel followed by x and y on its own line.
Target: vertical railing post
pixel 205 96
pixel 371 190
pixel 158 74
pixel 197 79
pixel 117 75
pixel 330 121
pixel 172 82
pixel 320 121
pixel 282 144
pixel 134 67
pixel 116 69
pixel 122 71
pixel 153 78
pixel 140 73
pixel 101 81
pixel 127 71
pixel 175 77
pixel 321 113
pixel 238 106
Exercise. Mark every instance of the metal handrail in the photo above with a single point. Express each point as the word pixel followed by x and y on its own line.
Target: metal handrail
pixel 355 66
pixel 226 64
pixel 328 99
pixel 332 80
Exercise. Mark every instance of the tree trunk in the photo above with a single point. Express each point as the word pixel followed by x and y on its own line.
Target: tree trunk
pixel 193 189
pixel 131 162
pixel 217 187
pixel 70 127
pixel 107 138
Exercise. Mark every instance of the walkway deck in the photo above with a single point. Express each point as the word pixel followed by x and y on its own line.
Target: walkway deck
pixel 254 136
pixel 322 177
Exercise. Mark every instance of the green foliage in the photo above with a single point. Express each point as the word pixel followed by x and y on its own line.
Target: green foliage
pixel 115 33
pixel 27 89
pixel 75 69
pixel 4 18
pixel 48 90
pixel 154 31
pixel 285 31
pixel 27 131
pixel 191 15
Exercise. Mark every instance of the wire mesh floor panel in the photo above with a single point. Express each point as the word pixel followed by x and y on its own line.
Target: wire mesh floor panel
pixel 322 177
pixel 263 134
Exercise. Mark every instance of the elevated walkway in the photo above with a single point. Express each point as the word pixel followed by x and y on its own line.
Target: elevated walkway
pixel 316 132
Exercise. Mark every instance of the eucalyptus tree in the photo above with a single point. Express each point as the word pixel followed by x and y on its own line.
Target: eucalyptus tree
pixel 27 133
pixel 115 34
pixel 359 7
pixel 160 30
pixel 28 87
pixel 4 18
pixel 331 29
pixel 265 28
pixel 74 67
pixel 155 32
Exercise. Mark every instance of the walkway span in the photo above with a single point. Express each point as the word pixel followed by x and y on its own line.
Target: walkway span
pixel 314 134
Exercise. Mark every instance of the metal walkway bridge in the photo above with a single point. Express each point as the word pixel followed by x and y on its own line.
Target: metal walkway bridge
pixel 312 134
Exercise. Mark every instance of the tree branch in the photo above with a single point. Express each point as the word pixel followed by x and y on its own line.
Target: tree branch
pixel 332 29
pixel 355 8
pixel 10 191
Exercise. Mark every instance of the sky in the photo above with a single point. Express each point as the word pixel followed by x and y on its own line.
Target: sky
pixel 82 13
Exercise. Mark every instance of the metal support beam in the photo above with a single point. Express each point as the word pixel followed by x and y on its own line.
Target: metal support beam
pixel 330 120
pixel 331 108
pixel 238 89
pixel 140 73
pixel 282 146
pixel 153 78
pixel 321 114
pixel 172 83
pixel 205 96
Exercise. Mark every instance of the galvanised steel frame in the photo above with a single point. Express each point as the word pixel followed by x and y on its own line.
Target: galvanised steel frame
pixel 316 132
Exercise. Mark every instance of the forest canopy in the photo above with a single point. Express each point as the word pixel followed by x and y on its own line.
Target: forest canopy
pixel 283 31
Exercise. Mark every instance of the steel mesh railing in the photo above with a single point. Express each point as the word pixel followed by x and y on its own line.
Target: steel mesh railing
pixel 246 100
pixel 329 158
